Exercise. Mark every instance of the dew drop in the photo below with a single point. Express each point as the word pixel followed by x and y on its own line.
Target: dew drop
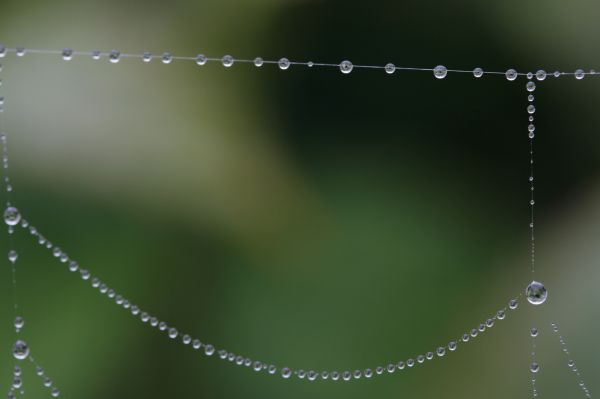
pixel 20 350
pixel 534 332
pixel 489 323
pixel 346 67
pixel 312 375
pixel 209 350
pixel 357 374
pixel 368 373
pixel 227 61
pixel 511 74
pixel 540 75
pixel 441 351
pixel 2 51
pixel 501 315
pixel 556 74
pixel 531 109
pixel 440 72
pixel 420 359
pixel 335 375
pixel 410 362
pixel 283 63
pixel 166 58
pixel 20 51
pixel 531 135
pixel 258 62
pixel 12 256
pixel 19 323
pixel 96 54
pixel 579 74
pixel 400 365
pixel 571 363
pixel 534 367
pixel 147 57
pixel 12 217
pixel 310 64
pixel 452 346
pixel 478 72
pixel 114 56
pixel 173 333
pixel 536 293
pixel 346 375
pixel 55 392
pixel 530 86
pixel 201 59
pixel 390 68
pixel 466 337
pixel 67 54
pixel 513 304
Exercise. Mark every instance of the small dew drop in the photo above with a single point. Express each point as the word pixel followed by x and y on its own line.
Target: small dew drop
pixel 201 59
pixel 346 67
pixel 283 64
pixel 12 256
pixel 19 323
pixel 12 217
pixel 540 75
pixel 452 346
pixel 67 54
pixel 166 58
pixel 534 332
pixel 147 57
pixel 513 304
pixel 440 72
pixel 96 54
pixel 579 74
pixel 390 68
pixel 114 56
pixel 501 315
pixel 478 72
pixel 258 62
pixel 530 86
pixel 511 74
pixel 20 350
pixel 227 61
pixel 534 367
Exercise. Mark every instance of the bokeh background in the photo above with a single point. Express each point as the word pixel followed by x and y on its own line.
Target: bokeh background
pixel 304 217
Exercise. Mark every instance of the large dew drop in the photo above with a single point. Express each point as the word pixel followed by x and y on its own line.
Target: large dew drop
pixel 536 293
pixel 12 217
pixel 20 350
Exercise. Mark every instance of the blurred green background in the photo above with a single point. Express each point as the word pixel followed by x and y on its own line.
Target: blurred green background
pixel 304 218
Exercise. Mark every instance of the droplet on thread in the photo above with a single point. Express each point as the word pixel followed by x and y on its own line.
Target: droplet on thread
pixel 346 67
pixel 440 72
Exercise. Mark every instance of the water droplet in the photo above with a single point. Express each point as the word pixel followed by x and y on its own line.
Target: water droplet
pixel 441 351
pixel 346 67
pixel 530 86
pixel 420 359
pixel 346 375
pixel 173 333
pixel 534 332
pixel 556 74
pixel 489 323
pixel 511 74
pixel 529 75
pixel 96 54
pixel 571 363
pixel 196 344
pixel 466 337
pixel 209 350
pixel 17 371
pixel 12 256
pixel 440 72
pixel 2 51
pixel 166 58
pixel 114 56
pixel 12 217
pixel 536 293
pixel 531 127
pixel 410 362
pixel 17 383
pixel 501 315
pixel 257 366
pixel 478 72
pixel 482 327
pixel 357 374
pixel 20 51
pixel 531 109
pixel 258 62
pixel 368 373
pixel 67 54
pixel 147 57
pixel 534 367
pixel 310 64
pixel 335 375
pixel 20 350
pixel 579 74
pixel 531 135
pixel 55 392
pixel 73 266
pixel 201 59
pixel 19 323
pixel 474 332
pixel 227 61
pixel 400 365
pixel 513 304
pixel 540 75
pixel 530 98
pixel 283 63
pixel 390 68
pixel 452 346
pixel 272 369
pixel 312 375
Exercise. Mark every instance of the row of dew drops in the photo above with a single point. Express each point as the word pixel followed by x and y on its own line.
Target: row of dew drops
pixel 12 218
pixel 346 67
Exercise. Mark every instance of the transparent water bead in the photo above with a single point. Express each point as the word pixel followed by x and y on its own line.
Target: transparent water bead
pixel 67 54
pixel 536 293
pixel 19 323
pixel 390 68
pixel 513 304
pixel 530 86
pixel 283 64
pixel 2 51
pixel 478 72
pixel 258 62
pixel 201 59
pixel 227 61
pixel 147 57
pixel 166 58
pixel 20 350
pixel 452 346
pixel 346 67
pixel 55 392
pixel 440 72
pixel 441 351
pixel 12 217
pixel 540 75
pixel 534 332
pixel 531 109
pixel 579 74
pixel 114 56
pixel 511 74
pixel 96 54
pixel 534 367
pixel 12 256
pixel 20 51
